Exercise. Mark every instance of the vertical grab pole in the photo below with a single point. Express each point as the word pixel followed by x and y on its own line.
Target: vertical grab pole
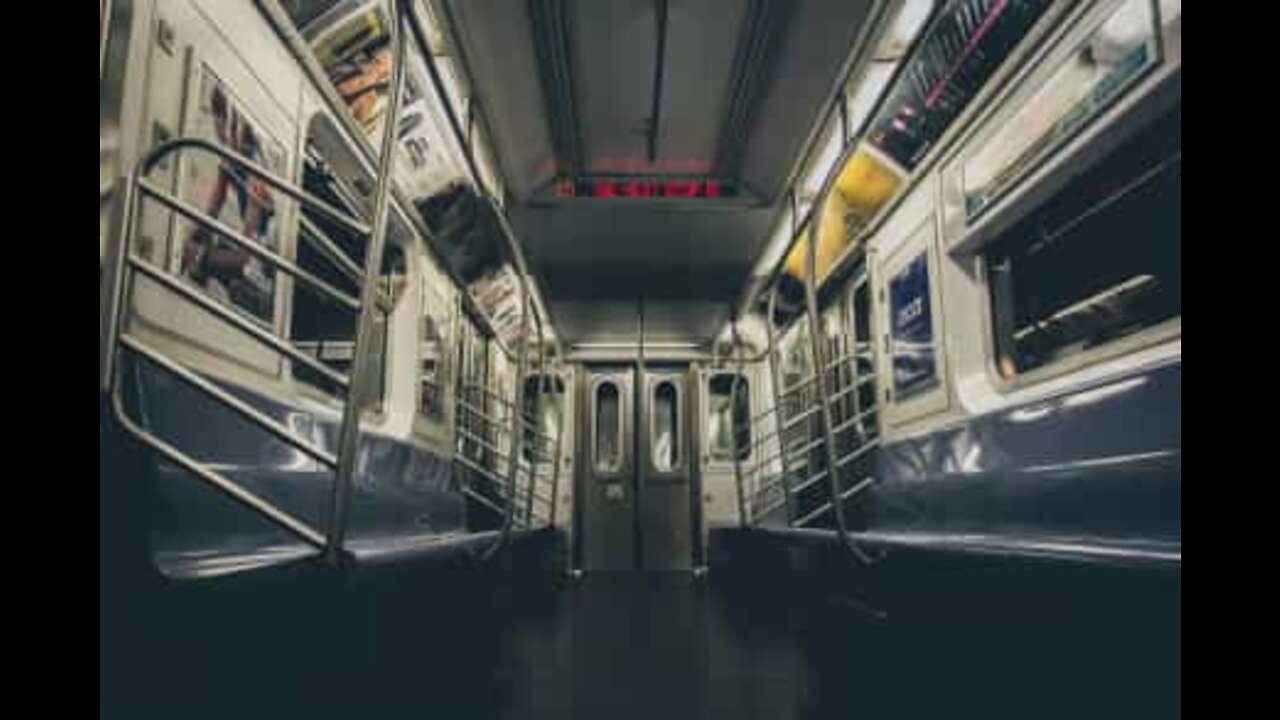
pixel 517 432
pixel 733 421
pixel 820 367
pixel 556 459
pixel 119 268
pixel 349 432
pixel 775 374
pixel 533 421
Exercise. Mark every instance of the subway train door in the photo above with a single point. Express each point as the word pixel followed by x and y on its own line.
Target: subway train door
pixel 665 476
pixel 607 507
pixel 635 479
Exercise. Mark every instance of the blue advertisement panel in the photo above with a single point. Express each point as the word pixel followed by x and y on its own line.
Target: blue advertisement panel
pixel 914 365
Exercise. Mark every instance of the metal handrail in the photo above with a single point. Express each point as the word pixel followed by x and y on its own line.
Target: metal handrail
pixel 242 241
pixel 482 442
pixel 531 425
pixel 558 458
pixel 853 386
pixel 513 460
pixel 370 298
pixel 761 435
pixel 855 418
pixel 481 499
pixel 236 320
pixel 501 399
pixel 796 386
pixel 844 495
pixel 128 264
pixel 339 258
pixel 481 415
pixel 796 457
pixel 817 349
pixel 733 422
pixel 281 22
pixel 250 500
pixel 487 473
pixel 349 431
pixel 239 406
pixel 776 385
pixel 816 353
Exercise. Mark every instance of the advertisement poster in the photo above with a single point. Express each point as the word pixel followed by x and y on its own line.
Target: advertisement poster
pixel 914 364
pixel 425 165
pixel 232 195
pixel 499 296
pixel 352 45
pixel 351 42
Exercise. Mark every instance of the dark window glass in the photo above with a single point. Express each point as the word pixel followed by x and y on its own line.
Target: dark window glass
pixel 319 324
pixel 608 450
pixel 1100 260
pixel 963 47
pixel 542 398
pixel 729 428
pixel 666 426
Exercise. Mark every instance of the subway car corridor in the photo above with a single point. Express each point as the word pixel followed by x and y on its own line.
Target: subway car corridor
pixel 754 644
pixel 650 359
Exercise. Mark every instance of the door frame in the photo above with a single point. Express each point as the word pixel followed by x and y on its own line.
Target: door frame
pixel 641 378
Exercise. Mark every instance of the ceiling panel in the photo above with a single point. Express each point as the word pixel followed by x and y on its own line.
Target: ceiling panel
pixel 595 256
pixel 496 37
pixel 819 37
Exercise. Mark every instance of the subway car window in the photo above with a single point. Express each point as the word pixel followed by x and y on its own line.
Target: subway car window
pixel 608 428
pixel 1100 261
pixel 473 369
pixel 864 396
pixel 432 356
pixel 729 427
pixel 543 396
pixel 435 338
pixel 320 325
pixel 1104 66
pixel 666 426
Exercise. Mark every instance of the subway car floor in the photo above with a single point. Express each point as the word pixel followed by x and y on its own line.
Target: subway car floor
pixel 457 642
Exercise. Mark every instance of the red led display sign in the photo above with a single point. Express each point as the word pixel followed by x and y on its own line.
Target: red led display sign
pixel 624 187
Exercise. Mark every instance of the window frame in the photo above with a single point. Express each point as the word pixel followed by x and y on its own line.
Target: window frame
pixel 677 426
pixel 559 390
pixel 379 408
pixel 447 372
pixel 619 468
pixel 1155 91
pixel 709 447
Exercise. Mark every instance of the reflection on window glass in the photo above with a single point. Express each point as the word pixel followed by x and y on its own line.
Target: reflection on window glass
pixel 608 451
pixel 432 356
pixel 1100 260
pixel 911 317
pixel 961 50
pixel 354 48
pixel 1098 72
pixel 328 250
pixel 666 427
pixel 723 426
pixel 542 398
pixel 472 368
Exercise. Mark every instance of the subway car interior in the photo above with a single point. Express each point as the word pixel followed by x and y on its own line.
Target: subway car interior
pixel 721 359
